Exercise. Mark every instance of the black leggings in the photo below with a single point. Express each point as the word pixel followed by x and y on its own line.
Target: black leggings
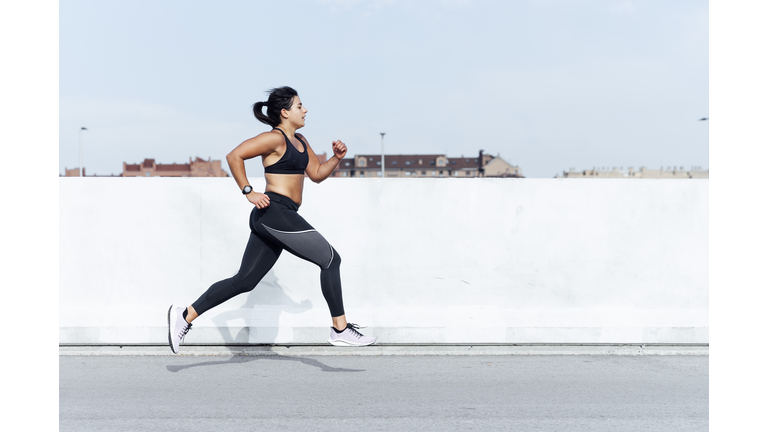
pixel 273 229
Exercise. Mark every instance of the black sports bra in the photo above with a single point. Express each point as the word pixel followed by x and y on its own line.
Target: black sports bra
pixel 292 162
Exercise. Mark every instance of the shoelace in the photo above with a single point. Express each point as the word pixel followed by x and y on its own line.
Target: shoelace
pixel 184 332
pixel 353 329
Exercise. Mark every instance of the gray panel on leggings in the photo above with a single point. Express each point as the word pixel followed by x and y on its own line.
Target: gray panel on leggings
pixel 309 244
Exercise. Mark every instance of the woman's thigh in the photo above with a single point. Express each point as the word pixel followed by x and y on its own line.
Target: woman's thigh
pixel 259 257
pixel 292 232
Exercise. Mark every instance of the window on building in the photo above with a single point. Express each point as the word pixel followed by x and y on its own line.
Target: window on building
pixel 407 162
pixel 378 163
pixel 147 174
pixel 394 162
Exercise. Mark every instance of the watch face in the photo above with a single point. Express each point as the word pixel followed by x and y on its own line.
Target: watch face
pixel 247 189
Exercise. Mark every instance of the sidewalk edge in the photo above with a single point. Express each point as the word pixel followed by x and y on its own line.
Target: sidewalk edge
pixel 388 349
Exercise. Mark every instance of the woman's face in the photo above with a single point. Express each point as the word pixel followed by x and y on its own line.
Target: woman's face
pixel 297 113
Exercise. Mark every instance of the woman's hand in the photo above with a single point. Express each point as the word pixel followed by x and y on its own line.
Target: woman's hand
pixel 258 199
pixel 339 149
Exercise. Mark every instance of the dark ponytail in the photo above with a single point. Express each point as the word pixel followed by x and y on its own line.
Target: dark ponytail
pixel 257 111
pixel 280 98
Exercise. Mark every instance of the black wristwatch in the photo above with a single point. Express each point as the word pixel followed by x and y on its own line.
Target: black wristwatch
pixel 247 189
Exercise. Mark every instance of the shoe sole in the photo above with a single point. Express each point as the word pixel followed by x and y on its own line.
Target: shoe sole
pixel 343 343
pixel 170 340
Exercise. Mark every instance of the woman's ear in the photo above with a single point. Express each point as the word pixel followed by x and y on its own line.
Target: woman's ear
pixel 284 113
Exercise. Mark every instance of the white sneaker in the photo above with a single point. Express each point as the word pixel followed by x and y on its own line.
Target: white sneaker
pixel 177 327
pixel 350 337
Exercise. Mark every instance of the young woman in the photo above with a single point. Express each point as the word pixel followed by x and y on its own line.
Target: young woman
pixel 274 221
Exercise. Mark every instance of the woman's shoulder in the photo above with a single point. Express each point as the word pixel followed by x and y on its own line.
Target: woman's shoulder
pixel 264 143
pixel 271 137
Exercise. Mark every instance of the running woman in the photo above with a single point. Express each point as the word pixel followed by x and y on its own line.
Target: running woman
pixel 274 221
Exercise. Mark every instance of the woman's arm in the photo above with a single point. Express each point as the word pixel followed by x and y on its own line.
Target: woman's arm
pixel 318 172
pixel 262 145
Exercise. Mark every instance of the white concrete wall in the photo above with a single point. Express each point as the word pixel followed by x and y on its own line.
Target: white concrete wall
pixel 424 260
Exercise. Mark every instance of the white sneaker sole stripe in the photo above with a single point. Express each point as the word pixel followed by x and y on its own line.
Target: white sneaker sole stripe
pixel 340 342
pixel 171 315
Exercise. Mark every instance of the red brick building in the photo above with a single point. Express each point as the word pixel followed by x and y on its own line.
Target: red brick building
pixel 195 168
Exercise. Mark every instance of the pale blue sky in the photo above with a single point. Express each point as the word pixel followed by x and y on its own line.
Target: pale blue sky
pixel 547 85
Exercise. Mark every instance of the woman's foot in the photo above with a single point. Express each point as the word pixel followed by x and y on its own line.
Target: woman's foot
pixel 177 327
pixel 349 337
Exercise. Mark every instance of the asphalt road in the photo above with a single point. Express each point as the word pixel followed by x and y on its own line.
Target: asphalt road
pixel 386 393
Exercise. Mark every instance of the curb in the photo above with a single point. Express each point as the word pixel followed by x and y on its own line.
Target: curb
pixel 388 349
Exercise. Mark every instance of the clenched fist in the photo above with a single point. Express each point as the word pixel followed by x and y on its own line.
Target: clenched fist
pixel 339 149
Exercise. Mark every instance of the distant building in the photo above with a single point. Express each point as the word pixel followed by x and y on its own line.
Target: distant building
pixel 428 165
pixel 195 168
pixel 498 167
pixel 75 172
pixel 668 173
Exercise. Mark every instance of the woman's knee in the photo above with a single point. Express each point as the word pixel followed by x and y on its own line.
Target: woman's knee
pixel 336 261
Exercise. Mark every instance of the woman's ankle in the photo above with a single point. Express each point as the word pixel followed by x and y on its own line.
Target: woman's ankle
pixel 340 322
pixel 190 314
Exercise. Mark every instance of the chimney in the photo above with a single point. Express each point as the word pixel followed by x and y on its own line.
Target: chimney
pixel 480 164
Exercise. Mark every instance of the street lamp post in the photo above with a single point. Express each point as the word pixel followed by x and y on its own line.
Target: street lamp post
pixel 706 119
pixel 80 142
pixel 382 153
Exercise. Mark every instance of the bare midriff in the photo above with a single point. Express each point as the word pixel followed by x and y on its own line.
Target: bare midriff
pixel 290 185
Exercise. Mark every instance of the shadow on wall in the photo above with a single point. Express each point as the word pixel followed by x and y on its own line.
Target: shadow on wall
pixel 266 320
